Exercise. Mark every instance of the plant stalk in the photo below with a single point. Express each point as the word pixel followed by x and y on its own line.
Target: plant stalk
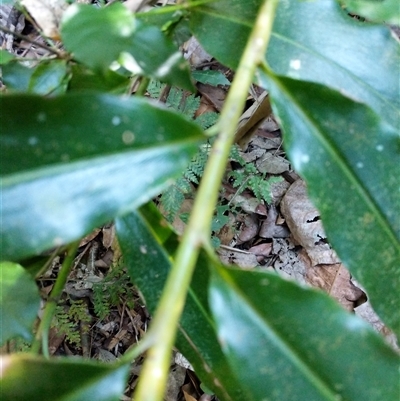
pixel 163 328
pixel 42 334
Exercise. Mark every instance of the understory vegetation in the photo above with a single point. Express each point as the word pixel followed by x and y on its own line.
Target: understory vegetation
pixel 147 200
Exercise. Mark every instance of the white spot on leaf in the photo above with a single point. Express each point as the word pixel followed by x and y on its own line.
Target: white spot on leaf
pixel 116 120
pixel 379 148
pixel 295 64
pixel 33 140
pixel 128 137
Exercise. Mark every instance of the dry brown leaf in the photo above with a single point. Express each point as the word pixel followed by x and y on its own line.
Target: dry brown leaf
pixel 214 94
pixel 335 279
pixel 243 259
pixel 269 229
pixel 305 225
pixel 272 164
pixel 194 52
pixel 47 14
pixel 287 263
pixel 249 229
pixel 261 251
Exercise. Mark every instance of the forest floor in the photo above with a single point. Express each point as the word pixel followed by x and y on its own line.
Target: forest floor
pixel 264 220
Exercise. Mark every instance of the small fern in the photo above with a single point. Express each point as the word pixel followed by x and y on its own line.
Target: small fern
pixel 248 177
pixel 108 293
pixel 67 320
pixel 171 201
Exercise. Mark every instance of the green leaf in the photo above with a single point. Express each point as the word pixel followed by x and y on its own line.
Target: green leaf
pixel 154 55
pixel 16 77
pixel 140 48
pixel 84 79
pixel 346 154
pixel 376 10
pixel 234 19
pixel 48 77
pixel 75 162
pixel 148 246
pixel 210 77
pixel 19 302
pixel 5 56
pixel 303 47
pixel 290 343
pixel 62 379
pixel 103 33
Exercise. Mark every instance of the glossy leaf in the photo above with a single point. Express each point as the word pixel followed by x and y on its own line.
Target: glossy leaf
pixel 27 377
pixel 348 157
pixel 75 162
pixel 140 48
pixel 154 55
pixel 19 302
pixel 16 77
pixel 384 10
pixel 210 77
pixel 290 343
pixel 48 78
pixel 148 246
pixel 84 79
pixel 360 60
pixel 103 33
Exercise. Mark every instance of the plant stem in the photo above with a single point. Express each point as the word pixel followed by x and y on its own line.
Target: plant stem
pixel 163 329
pixel 42 334
pixel 144 83
pixel 55 51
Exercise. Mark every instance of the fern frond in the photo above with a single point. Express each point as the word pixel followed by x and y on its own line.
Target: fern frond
pixel 174 98
pixel 171 201
pixel 155 88
pixel 207 120
pixel 191 105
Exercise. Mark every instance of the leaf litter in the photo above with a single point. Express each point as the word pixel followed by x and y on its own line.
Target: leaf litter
pixel 283 234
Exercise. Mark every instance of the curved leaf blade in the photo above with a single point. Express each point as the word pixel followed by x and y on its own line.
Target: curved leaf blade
pixel 154 55
pixel 111 27
pixel 19 302
pixel 384 11
pixel 303 47
pixel 291 343
pixel 148 246
pixel 360 60
pixel 346 154
pixel 77 161
pixel 79 126
pixel 60 379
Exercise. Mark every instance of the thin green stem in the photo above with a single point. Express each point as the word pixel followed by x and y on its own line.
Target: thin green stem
pixel 144 83
pixel 42 334
pixel 163 329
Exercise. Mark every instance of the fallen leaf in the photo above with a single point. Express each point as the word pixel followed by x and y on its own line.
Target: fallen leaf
pixel 334 279
pixel 269 229
pixel 305 224
pixel 47 14
pixel 272 164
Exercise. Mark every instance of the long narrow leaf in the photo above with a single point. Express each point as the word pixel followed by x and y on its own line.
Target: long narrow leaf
pixel 77 161
pixel 349 159
pixel 28 377
pixel 359 59
pixel 148 246
pixel 289 343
